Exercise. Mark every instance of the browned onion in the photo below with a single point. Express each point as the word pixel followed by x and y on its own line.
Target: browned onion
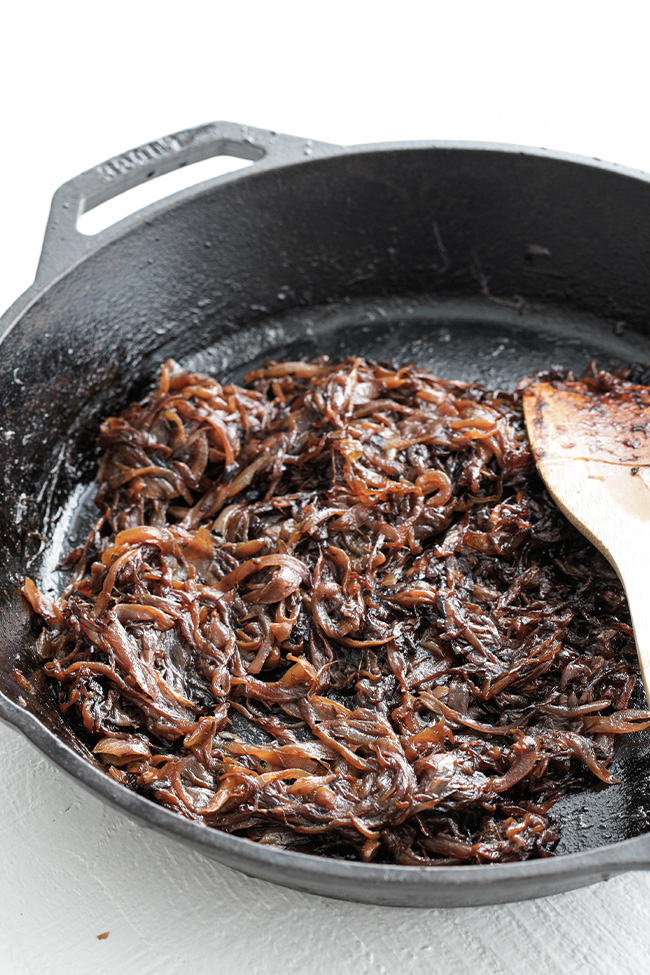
pixel 339 612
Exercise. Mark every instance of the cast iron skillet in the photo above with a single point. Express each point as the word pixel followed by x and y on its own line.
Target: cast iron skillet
pixel 481 262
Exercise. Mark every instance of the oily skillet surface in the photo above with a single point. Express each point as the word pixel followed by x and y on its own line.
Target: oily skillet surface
pixel 481 263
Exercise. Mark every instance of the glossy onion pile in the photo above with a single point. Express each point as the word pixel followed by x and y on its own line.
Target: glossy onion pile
pixel 337 612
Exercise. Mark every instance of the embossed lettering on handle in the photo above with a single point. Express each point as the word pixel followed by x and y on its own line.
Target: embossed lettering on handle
pixel 152 152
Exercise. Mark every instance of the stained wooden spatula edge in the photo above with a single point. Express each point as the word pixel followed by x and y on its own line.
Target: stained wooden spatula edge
pixel 603 490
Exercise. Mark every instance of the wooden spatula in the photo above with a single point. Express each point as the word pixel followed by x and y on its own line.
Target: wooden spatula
pixel 592 449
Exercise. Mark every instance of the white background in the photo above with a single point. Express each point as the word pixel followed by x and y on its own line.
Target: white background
pixel 80 82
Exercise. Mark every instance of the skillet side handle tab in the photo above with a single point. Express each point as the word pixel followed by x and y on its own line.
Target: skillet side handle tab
pixel 63 244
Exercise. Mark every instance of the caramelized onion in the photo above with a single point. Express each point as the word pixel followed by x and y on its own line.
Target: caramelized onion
pixel 338 611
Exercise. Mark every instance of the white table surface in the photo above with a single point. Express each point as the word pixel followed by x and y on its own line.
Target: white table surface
pixel 81 82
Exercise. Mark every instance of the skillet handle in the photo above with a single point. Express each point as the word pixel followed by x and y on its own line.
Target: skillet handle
pixel 63 244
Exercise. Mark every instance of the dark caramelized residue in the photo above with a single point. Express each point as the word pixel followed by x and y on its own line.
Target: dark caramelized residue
pixel 338 612
pixel 598 418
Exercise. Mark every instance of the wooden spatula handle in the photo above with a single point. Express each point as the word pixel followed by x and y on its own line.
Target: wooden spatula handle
pixel 610 504
pixel 637 588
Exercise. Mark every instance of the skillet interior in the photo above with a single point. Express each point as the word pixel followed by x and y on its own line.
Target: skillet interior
pixel 478 264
